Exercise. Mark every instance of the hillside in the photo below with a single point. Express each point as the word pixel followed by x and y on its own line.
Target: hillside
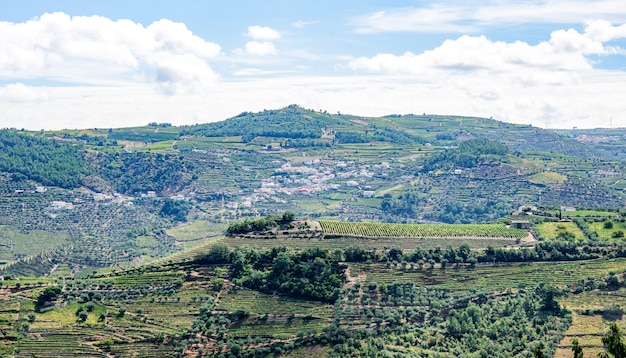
pixel 116 192
pixel 293 287
pixel 112 241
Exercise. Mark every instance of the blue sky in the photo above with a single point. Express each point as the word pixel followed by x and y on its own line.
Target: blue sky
pixel 69 64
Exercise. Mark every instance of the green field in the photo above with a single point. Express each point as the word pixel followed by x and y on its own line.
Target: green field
pixel 606 233
pixel 406 244
pixel 196 231
pixel 547 178
pixel 420 230
pixel 29 243
pixel 492 277
pixel 568 230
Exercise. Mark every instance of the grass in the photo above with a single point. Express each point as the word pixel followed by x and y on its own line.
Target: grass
pixel 552 230
pixel 34 241
pixel 145 242
pixel 282 329
pixel 381 193
pixel 173 312
pixel 492 277
pixel 588 330
pixel 607 233
pixel 311 205
pixel 589 213
pixel 406 244
pixel 594 300
pixel 547 178
pixel 381 230
pixel 66 316
pixel 257 303
pixel 159 146
pixel 196 230
pixel 61 270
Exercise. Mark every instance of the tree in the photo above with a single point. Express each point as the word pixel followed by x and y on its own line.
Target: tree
pixel 548 293
pixel 282 263
pixel 82 315
pixel 218 254
pixel 175 209
pixel 49 293
pixel 444 262
pixel 613 342
pixel 288 217
pixel 538 353
pixel 577 349
pixel 90 306
pixel 235 350
pixel 105 344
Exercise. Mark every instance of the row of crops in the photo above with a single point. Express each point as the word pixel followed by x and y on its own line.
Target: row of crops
pixel 367 229
pixel 491 277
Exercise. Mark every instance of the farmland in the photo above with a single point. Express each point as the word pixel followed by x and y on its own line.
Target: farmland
pixel 420 230
pixel 157 308
pixel 399 243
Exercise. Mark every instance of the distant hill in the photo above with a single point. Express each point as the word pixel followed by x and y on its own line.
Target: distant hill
pixel 115 190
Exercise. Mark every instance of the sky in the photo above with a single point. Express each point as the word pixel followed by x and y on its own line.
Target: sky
pixel 108 64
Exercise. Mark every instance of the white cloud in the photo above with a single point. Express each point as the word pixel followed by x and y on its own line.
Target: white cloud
pixel 467 17
pixel 433 19
pixel 261 48
pixel 564 51
pixel 548 11
pixel 300 24
pixel 182 74
pixel 262 44
pixel 259 72
pixel 19 92
pixel 588 101
pixel 553 81
pixel 262 33
pixel 603 31
pixel 98 50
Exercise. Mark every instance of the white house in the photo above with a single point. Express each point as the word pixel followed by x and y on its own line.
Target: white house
pixel 61 205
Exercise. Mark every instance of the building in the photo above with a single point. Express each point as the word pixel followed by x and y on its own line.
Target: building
pixel 368 193
pixel 61 205
pixel 520 224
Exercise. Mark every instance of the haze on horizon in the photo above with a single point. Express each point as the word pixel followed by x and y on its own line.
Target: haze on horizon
pixel 559 64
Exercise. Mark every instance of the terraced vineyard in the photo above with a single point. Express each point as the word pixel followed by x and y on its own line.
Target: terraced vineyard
pixel 132 241
pixel 366 229
pixel 175 306
pixel 492 277
pixel 378 244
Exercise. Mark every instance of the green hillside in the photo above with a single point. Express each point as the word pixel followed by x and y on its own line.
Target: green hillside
pixel 292 232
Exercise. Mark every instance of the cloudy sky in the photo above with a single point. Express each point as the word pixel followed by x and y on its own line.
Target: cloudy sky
pixel 81 64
